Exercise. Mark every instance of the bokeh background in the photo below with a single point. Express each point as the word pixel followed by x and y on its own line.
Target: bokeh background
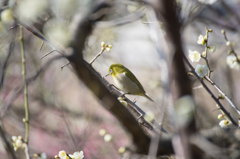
pixel 64 114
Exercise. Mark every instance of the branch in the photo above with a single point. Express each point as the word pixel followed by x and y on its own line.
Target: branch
pixel 98 85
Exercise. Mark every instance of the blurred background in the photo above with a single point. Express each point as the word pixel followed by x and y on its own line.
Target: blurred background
pixel 64 114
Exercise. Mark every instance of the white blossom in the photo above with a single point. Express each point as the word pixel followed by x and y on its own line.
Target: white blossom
pixel 107 137
pixel 224 123
pixel 202 40
pixel 204 54
pixel 201 70
pixel 212 49
pixel 220 116
pixel 232 62
pixel 78 155
pixel 228 43
pixel 62 154
pixel 194 56
pixel 102 132
pixel 7 16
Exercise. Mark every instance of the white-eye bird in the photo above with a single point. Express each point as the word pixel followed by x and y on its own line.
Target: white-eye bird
pixel 126 81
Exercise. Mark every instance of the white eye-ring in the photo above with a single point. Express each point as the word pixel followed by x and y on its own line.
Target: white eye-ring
pixel 110 70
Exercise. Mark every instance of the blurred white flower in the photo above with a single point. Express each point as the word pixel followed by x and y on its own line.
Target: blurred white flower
pixel 19 143
pixel 102 132
pixel 7 16
pixel 232 62
pixel 201 70
pixel 43 155
pixel 57 31
pixel 220 116
pixel 212 49
pixel 207 1
pixel 14 138
pixel 29 10
pixel 121 150
pixel 62 154
pixel 202 40
pixel 224 123
pixel 64 8
pixel 78 155
pixel 194 56
pixel 107 137
pixel 228 43
pixel 204 54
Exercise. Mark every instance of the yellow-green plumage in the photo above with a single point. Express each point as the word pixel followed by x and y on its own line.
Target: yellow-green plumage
pixel 126 81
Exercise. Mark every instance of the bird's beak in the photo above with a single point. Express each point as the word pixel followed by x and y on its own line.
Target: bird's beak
pixel 107 75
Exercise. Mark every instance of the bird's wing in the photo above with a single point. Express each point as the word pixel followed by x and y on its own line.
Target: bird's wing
pixel 134 79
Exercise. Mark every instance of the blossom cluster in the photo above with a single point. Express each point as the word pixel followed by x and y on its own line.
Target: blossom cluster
pixel 232 61
pixel 107 137
pixel 18 142
pixel 195 56
pixel 63 155
pixel 106 47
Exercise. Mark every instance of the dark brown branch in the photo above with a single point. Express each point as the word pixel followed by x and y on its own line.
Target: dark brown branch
pixel 83 28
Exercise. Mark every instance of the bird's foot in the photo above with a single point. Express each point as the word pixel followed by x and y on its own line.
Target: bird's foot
pixel 134 100
pixel 139 117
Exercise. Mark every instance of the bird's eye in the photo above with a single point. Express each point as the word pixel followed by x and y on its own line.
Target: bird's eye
pixel 110 70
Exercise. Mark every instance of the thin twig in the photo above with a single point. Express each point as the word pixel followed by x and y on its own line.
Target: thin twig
pixel 205 58
pixel 231 48
pixel 210 92
pixel 50 53
pixel 40 36
pixel 26 151
pixel 225 96
pixel 41 46
pixel 25 86
pixel 99 54
pixel 4 66
pixel 65 65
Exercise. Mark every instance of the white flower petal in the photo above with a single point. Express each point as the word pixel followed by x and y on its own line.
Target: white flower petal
pixel 194 56
pixel 201 70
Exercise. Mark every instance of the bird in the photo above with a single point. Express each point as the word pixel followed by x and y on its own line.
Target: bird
pixel 126 80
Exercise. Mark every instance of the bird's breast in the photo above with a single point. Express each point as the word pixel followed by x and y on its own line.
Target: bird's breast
pixel 126 84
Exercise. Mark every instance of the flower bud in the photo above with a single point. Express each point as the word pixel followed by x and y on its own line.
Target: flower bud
pixel 102 132
pixel 220 116
pixel 212 49
pixel 108 138
pixel 121 150
pixel 228 43
pixel 103 44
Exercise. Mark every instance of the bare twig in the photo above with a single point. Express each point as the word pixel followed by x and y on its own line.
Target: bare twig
pixel 50 53
pixel 232 51
pixel 25 86
pixel 99 54
pixel 210 92
pixel 4 66
pixel 225 96
pixel 65 65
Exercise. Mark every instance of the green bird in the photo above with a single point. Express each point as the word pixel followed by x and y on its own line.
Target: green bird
pixel 126 81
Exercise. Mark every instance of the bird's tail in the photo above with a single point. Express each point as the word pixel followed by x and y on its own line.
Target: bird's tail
pixel 148 97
